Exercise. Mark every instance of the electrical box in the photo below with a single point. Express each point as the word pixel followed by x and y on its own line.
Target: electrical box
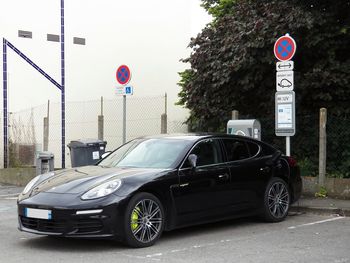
pixel 250 128
pixel 44 162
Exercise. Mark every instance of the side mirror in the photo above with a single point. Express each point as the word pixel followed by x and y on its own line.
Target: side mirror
pixel 192 158
pixel 105 154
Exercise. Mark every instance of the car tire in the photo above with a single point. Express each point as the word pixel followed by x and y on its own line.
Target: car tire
pixel 144 220
pixel 276 200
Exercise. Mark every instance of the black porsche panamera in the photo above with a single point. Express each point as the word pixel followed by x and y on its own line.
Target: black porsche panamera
pixel 152 184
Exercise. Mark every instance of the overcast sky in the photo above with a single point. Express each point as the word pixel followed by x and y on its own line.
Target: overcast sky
pixel 148 36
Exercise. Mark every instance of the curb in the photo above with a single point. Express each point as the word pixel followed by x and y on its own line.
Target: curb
pixel 321 210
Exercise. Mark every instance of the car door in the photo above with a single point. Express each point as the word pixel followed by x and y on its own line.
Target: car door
pixel 247 172
pixel 202 191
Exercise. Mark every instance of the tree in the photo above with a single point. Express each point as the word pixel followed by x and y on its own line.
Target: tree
pixel 233 66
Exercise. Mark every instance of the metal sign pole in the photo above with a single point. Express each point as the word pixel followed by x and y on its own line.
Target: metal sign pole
pixel 287 145
pixel 284 50
pixel 123 76
pixel 124 118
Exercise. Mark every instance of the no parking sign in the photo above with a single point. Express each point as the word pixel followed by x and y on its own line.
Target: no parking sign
pixel 285 48
pixel 123 74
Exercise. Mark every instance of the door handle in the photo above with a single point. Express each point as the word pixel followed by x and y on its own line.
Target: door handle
pixel 184 185
pixel 223 176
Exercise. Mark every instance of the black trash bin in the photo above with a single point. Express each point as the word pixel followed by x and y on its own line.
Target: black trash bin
pixel 86 152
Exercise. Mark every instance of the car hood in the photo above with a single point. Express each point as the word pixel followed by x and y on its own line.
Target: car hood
pixel 79 180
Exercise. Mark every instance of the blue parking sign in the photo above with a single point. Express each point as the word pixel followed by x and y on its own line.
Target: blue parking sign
pixel 128 90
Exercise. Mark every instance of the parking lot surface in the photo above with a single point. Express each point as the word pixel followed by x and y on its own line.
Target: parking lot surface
pixel 302 237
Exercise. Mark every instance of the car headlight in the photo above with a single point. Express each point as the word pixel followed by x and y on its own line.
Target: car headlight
pixel 30 185
pixel 102 190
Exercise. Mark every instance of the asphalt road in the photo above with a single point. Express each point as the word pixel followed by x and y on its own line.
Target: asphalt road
pixel 300 238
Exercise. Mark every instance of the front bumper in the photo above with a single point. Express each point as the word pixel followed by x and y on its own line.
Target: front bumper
pixel 64 218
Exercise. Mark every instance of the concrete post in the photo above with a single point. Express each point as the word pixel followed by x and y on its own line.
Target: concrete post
pixel 235 115
pixel 100 127
pixel 163 123
pixel 46 134
pixel 322 148
pixel 100 123
pixel 46 128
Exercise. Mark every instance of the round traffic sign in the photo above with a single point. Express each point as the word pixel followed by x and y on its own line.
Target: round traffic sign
pixel 123 74
pixel 284 48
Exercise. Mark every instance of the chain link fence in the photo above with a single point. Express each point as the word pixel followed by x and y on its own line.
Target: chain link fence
pixel 305 143
pixel 26 128
pixel 338 146
pixel 144 118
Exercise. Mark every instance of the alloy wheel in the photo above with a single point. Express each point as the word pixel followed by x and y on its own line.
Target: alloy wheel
pixel 146 220
pixel 278 199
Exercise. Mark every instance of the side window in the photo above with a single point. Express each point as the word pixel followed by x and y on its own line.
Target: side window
pixel 208 152
pixel 236 149
pixel 253 148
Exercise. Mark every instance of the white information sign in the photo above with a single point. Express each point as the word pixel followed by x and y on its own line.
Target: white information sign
pixel 119 90
pixel 284 98
pixel 285 80
pixel 285 116
pixel 285 113
pixel 284 65
pixel 124 90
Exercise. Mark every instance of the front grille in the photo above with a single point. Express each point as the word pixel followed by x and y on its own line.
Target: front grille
pixel 43 225
pixel 78 226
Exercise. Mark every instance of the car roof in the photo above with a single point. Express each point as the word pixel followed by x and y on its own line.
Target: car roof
pixel 195 136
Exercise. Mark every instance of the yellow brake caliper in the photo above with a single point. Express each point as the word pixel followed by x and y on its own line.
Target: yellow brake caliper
pixel 134 218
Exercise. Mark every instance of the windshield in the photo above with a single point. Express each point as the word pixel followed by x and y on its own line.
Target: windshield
pixel 147 153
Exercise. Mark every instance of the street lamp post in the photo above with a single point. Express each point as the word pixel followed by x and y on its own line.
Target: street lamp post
pixel 28 34
pixel 63 84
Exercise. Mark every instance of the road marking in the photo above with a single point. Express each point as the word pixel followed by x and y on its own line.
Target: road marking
pixel 10 198
pixel 154 255
pixel 159 256
pixel 317 222
pixel 139 257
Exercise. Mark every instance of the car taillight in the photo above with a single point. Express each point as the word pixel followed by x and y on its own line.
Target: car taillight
pixel 291 161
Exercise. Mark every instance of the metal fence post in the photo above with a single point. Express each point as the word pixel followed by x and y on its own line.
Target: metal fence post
pixel 164 116
pixel 163 124
pixel 322 148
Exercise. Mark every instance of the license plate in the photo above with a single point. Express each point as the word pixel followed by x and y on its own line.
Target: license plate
pixel 38 213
